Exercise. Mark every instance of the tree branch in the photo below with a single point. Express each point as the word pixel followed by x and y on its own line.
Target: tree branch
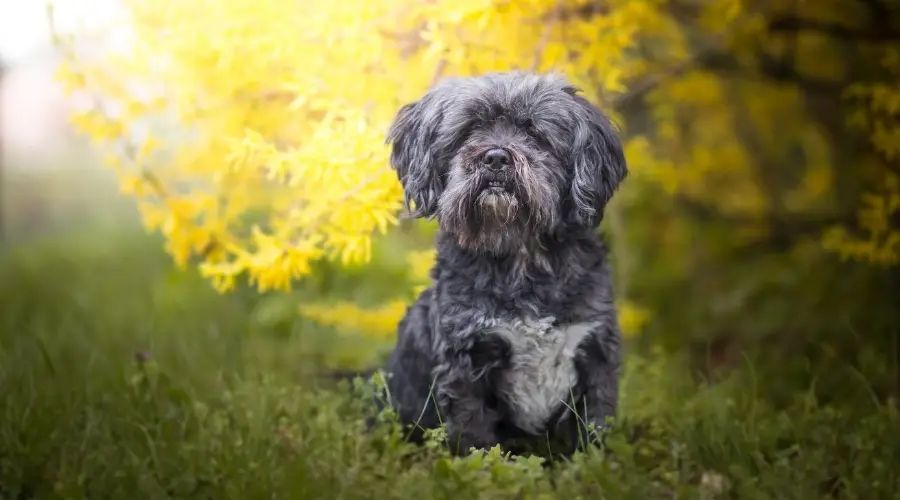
pixel 878 10
pixel 719 61
pixel 794 24
pixel 785 229
pixel 549 25
pixel 643 87
pixel 578 12
pixel 770 69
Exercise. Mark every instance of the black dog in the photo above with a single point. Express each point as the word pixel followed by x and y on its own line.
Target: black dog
pixel 517 341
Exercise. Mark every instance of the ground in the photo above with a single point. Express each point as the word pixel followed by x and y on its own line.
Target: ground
pixel 121 376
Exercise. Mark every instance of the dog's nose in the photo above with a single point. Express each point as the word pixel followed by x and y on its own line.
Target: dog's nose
pixel 496 159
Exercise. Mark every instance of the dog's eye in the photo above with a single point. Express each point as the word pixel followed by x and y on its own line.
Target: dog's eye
pixel 529 127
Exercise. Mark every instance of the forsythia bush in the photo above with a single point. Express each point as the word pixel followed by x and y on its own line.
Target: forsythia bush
pixel 283 108
pixel 878 113
pixel 287 104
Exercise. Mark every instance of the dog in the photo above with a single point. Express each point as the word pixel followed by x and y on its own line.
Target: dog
pixel 516 342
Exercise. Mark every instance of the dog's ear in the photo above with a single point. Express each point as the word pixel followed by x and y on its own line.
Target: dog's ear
pixel 597 159
pixel 414 155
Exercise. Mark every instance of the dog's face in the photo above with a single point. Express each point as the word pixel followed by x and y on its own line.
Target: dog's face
pixel 503 159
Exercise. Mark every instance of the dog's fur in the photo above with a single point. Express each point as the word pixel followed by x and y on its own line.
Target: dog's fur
pixel 517 341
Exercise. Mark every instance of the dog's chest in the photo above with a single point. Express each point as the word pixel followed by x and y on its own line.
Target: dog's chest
pixel 542 371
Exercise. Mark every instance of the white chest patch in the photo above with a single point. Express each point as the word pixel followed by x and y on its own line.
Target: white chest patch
pixel 542 368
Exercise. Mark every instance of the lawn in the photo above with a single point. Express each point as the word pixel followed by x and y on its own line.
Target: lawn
pixel 121 377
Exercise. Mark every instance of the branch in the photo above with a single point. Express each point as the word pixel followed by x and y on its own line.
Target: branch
pixel 438 72
pixel 797 222
pixel 877 9
pixel 719 61
pixel 769 69
pixel 643 87
pixel 555 15
pixel 785 229
pixel 578 12
pixel 794 24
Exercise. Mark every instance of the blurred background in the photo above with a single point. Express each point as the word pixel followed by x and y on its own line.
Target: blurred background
pixel 756 246
pixel 52 178
pixel 737 218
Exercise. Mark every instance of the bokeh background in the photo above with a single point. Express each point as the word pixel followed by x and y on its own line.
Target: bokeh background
pixel 756 247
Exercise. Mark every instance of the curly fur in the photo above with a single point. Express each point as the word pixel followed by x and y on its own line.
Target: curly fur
pixel 517 341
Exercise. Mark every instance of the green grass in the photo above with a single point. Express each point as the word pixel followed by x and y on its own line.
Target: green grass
pixel 123 378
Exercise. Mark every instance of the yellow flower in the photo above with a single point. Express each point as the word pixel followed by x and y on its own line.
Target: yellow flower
pixel 632 318
pixel 379 322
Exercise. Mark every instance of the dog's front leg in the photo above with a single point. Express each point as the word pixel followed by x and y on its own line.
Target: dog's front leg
pixel 464 385
pixel 599 364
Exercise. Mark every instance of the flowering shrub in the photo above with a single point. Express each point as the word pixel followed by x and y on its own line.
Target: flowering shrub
pixel 284 107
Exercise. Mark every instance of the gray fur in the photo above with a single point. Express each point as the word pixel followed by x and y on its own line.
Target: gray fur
pixel 517 340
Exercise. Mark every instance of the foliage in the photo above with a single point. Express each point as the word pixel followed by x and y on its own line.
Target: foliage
pixel 878 114
pixel 379 321
pixel 292 126
pixel 751 129
pixel 105 395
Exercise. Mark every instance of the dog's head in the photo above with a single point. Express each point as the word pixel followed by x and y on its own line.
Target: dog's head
pixel 503 159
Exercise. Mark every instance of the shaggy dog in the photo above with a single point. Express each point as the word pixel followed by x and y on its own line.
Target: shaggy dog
pixel 517 341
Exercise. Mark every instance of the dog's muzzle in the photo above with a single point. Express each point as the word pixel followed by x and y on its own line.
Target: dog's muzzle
pixel 496 167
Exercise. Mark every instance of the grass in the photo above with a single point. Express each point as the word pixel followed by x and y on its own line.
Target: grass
pixel 121 378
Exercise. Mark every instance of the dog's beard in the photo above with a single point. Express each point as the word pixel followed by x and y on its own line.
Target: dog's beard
pixel 496 208
pixel 499 214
